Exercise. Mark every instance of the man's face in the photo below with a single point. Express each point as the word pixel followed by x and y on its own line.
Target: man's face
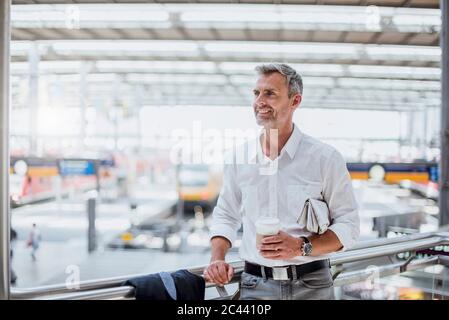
pixel 272 106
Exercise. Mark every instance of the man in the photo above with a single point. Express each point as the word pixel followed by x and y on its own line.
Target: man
pixel 293 264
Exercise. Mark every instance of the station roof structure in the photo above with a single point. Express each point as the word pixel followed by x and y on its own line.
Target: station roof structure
pixel 377 55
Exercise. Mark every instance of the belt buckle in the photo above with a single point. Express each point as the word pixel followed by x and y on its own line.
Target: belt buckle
pixel 280 273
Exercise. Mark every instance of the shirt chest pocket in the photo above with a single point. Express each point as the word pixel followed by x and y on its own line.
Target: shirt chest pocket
pixel 296 197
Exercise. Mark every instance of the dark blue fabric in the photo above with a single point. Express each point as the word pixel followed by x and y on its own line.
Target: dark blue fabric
pixel 150 287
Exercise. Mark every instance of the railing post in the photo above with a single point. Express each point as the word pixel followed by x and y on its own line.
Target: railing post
pixel 444 162
pixel 91 230
pixel 5 35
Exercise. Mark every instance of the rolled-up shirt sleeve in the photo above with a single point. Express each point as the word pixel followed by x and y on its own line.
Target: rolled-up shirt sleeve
pixel 340 198
pixel 226 217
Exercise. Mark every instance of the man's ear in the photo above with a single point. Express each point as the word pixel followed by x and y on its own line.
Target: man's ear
pixel 297 98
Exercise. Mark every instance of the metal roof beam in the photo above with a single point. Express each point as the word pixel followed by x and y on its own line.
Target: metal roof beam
pixel 415 4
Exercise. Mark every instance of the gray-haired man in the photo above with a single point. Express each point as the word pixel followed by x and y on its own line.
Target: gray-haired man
pixel 293 264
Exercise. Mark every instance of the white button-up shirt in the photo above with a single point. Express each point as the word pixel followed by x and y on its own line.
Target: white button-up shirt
pixel 306 168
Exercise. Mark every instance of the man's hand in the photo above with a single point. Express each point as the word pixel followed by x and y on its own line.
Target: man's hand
pixel 219 272
pixel 281 246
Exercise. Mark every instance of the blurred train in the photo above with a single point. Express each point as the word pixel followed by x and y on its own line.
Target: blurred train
pixel 199 184
pixel 421 176
pixel 34 179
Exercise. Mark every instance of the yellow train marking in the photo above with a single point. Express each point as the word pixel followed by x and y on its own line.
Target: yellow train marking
pixel 396 177
pixel 42 171
pixel 359 175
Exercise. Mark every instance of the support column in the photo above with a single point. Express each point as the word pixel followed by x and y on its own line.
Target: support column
pixel 410 135
pixel 116 108
pixel 139 102
pixel 83 91
pixel 5 37
pixel 426 139
pixel 444 162
pixel 33 98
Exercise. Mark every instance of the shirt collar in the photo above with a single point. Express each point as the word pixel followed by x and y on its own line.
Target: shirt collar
pixel 255 148
pixel 292 143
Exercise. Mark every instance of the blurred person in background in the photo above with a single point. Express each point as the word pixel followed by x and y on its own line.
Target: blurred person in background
pixel 34 241
pixel 13 238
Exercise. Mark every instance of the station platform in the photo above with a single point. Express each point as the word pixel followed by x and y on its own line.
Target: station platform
pixel 64 246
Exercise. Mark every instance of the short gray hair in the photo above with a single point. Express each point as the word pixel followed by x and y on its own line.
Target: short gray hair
pixel 294 80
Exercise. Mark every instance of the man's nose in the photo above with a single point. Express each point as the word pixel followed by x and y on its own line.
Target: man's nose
pixel 259 100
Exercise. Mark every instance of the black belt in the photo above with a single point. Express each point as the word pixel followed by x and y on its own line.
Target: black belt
pixel 286 272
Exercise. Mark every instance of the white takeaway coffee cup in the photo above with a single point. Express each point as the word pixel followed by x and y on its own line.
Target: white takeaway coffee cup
pixel 266 226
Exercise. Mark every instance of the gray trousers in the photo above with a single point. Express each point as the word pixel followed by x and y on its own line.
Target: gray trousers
pixel 317 285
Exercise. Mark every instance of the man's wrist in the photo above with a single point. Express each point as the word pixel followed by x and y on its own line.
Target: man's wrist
pixel 217 260
pixel 299 251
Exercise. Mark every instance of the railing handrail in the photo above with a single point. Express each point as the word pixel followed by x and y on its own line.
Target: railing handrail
pixel 127 292
pixel 384 247
pixel 403 238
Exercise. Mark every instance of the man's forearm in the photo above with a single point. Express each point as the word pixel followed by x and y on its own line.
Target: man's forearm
pixel 219 248
pixel 325 243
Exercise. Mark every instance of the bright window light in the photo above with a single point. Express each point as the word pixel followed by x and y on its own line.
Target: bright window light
pixel 123 46
pixel 166 66
pixel 255 49
pixel 395 71
pixel 59 65
pixel 58 121
pixel 178 79
pixel 433 53
pixel 284 47
pixel 88 13
pixel 390 84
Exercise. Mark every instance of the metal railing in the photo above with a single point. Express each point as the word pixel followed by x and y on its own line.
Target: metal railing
pixel 5 36
pixel 111 288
